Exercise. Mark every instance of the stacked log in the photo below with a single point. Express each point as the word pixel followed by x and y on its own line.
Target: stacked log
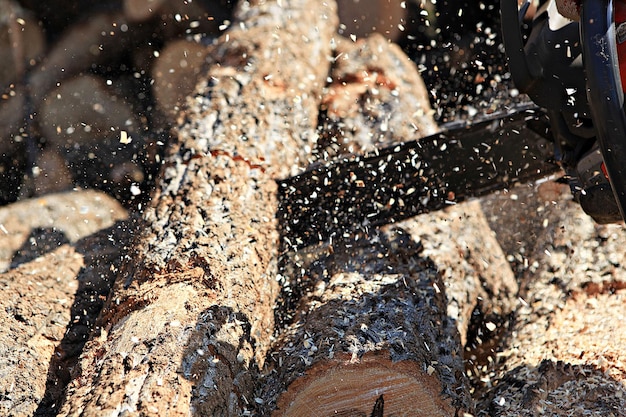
pixel 62 252
pixel 190 318
pixel 21 45
pixel 379 322
pixel 564 353
pixel 384 322
pixel 84 109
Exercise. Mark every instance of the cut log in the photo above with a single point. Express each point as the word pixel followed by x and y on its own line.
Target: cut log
pixel 74 214
pixel 565 352
pixel 378 98
pixel 377 303
pixel 376 324
pixel 190 318
pixel 481 288
pixel 50 299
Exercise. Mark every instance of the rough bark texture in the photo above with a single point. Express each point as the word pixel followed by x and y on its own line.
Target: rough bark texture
pixel 380 319
pixel 481 288
pixel 376 97
pixel 190 317
pixel 565 352
pixel 63 253
pixel 375 324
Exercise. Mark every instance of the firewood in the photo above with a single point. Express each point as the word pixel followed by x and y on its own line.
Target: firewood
pixel 564 354
pixel 375 324
pixel 22 42
pixel 360 19
pixel 364 329
pixel 51 294
pixel 50 174
pixel 141 10
pixel 74 214
pixel 376 97
pixel 394 108
pixel 190 318
pixel 97 132
pixel 175 74
pixel 102 40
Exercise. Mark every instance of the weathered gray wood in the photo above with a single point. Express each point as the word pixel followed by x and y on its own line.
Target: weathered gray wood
pixel 190 318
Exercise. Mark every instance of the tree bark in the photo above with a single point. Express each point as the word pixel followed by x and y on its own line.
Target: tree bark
pixel 190 318
pixel 375 324
pixel 564 353
pixel 379 324
pixel 60 272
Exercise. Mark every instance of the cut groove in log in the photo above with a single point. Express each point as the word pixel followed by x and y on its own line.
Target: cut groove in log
pixel 339 331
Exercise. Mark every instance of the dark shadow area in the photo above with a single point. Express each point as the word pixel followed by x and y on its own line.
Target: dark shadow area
pixel 40 241
pixel 103 253
pixel 458 46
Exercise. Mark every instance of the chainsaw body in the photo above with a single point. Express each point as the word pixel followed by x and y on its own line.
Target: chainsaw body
pixel 571 68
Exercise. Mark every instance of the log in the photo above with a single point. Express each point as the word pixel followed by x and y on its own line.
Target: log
pixel 99 41
pixel 22 42
pixel 378 303
pixel 74 214
pixel 175 73
pixel 387 17
pixel 190 318
pixel 375 325
pixel 387 86
pixel 98 133
pixel 564 353
pixel 62 250
pixel 481 288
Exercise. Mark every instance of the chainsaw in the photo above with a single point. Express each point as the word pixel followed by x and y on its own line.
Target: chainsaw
pixel 573 123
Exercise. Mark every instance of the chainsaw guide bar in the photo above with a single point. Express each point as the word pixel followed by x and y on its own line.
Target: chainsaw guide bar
pixel 465 160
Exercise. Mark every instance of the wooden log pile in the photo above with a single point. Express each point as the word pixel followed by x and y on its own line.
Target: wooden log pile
pixel 59 255
pixel 563 355
pixel 192 303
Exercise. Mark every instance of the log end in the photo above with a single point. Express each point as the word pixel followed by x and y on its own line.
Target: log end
pixel 371 386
